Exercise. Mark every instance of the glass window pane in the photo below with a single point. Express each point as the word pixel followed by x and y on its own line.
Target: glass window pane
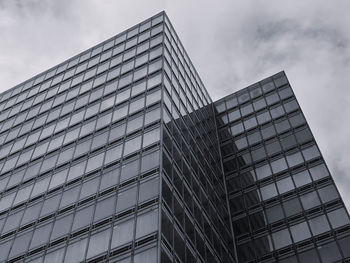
pixel 82 217
pixel 147 223
pixel 268 191
pixel 328 193
pixel 150 255
pixel 309 256
pixel 310 200
pixel 274 213
pixel 123 233
pixel 344 244
pixel 302 178
pixel 329 252
pixel 76 251
pixel 132 145
pixel 151 137
pixel 294 159
pixel 279 165
pixel 105 208
pixel 281 238
pixel 41 235
pixel 319 225
pixel 109 179
pixel 300 232
pixel 98 243
pixel 89 188
pixel 319 172
pixel 148 190
pixel 20 244
pixel 126 199
pixel 55 257
pixel 130 170
pixel 94 162
pixel 263 171
pixel 285 185
pixel 292 207
pixel 61 227
pixel 338 218
pixel 50 205
pixel 31 213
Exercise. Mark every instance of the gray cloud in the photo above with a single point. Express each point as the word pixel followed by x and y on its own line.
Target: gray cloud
pixel 232 44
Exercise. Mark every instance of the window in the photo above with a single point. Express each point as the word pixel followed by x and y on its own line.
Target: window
pixel 126 199
pixel 328 193
pixel 274 213
pixel 281 238
pixel 250 123
pixel 146 223
pixel 41 235
pixel 94 162
pixel 50 205
pixel 55 256
pixel 319 225
pixel 130 170
pixel 149 161
pixel 151 137
pixel 69 196
pixel 329 252
pixel 279 165
pixel 20 244
pixel 302 178
pixel 285 185
pixel 132 145
pixel 31 213
pixel 122 233
pixel 149 255
pixel 237 129
pixel 148 190
pixel 300 232
pixel 310 200
pixel 294 159
pixel 89 188
pixel 136 105
pixel 263 171
pixel 292 207
pixel 273 147
pixel 309 256
pixel 12 221
pixel 134 124
pixel 76 251
pixel 318 172
pixel 98 243
pixel 268 191
pixel 247 109
pixel 109 179
pixel 311 152
pixel 105 208
pixel 338 218
pixel 271 99
pixel 61 226
pixel 268 132
pixel 82 217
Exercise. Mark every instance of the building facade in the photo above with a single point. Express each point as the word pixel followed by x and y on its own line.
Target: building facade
pixel 284 204
pixel 120 155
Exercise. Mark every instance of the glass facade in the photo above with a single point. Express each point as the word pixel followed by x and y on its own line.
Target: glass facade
pixel 284 204
pixel 119 155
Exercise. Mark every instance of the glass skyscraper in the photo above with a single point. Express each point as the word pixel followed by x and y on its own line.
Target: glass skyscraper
pixel 120 155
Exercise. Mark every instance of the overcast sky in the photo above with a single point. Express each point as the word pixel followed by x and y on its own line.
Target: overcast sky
pixel 231 43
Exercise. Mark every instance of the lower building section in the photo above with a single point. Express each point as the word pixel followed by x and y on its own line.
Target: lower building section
pixel 284 204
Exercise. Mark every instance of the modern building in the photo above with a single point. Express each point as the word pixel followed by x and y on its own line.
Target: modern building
pixel 284 204
pixel 120 155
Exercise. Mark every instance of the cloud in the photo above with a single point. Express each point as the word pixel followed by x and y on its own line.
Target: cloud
pixel 232 44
